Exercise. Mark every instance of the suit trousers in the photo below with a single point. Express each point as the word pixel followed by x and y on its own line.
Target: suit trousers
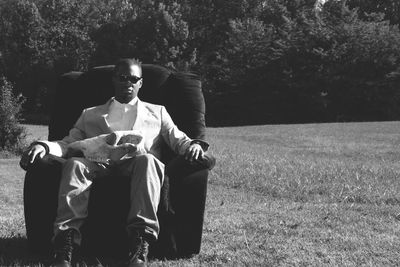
pixel 146 174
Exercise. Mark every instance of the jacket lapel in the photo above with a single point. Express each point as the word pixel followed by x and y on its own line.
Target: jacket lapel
pixel 141 116
pixel 105 127
pixel 140 122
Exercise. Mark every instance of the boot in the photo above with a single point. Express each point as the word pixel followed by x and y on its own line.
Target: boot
pixel 63 248
pixel 139 248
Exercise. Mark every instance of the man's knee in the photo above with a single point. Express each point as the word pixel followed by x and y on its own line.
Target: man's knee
pixel 75 171
pixel 73 164
pixel 147 165
pixel 145 159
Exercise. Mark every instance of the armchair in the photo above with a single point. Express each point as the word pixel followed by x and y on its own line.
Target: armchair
pixel 181 209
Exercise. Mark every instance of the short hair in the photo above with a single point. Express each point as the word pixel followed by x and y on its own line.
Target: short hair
pixel 126 63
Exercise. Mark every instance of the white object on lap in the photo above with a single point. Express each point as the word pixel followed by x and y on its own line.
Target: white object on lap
pixel 112 147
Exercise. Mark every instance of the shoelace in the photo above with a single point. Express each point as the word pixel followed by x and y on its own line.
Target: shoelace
pixel 141 250
pixel 64 251
pixel 144 250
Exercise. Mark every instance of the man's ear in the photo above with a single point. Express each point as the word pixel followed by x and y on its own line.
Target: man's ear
pixel 140 83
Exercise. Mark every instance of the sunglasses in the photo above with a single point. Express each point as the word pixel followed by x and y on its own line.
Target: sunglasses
pixel 131 78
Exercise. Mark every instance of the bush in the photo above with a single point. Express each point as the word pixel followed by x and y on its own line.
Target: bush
pixel 12 134
pixel 305 66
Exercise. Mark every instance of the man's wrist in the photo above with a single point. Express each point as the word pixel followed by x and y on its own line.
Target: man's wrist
pixel 204 145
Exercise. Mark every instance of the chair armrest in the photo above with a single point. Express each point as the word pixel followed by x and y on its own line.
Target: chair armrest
pixel 47 161
pixel 180 167
pixel 175 171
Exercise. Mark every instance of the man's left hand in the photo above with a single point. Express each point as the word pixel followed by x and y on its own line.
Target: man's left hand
pixel 194 152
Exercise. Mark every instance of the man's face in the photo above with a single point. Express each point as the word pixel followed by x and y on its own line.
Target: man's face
pixel 127 82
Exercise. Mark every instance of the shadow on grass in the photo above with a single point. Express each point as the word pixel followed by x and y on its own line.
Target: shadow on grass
pixel 14 252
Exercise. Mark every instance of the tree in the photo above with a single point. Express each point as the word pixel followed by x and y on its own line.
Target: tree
pixel 155 32
pixel 22 29
pixel 22 44
pixel 390 8
pixel 12 134
pixel 302 65
pixel 42 39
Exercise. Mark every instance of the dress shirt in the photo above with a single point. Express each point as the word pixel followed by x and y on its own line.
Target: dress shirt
pixel 121 117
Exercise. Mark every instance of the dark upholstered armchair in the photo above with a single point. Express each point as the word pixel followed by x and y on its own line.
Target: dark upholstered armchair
pixel 182 204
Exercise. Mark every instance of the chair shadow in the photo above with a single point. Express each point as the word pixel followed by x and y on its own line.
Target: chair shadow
pixel 14 252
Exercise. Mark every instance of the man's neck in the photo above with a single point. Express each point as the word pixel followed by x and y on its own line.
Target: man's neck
pixel 127 101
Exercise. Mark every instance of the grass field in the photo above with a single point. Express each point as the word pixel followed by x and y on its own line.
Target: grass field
pixel 281 195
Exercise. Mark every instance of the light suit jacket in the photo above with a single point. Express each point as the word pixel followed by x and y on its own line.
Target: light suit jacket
pixel 153 121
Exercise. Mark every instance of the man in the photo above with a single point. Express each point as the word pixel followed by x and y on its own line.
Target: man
pixel 121 113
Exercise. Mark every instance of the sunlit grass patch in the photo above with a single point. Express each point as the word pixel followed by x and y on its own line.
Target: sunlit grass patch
pixel 325 162
pixel 280 195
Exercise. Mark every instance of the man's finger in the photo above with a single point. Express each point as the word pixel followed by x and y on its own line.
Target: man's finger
pixel 201 154
pixel 191 151
pixel 33 156
pixel 42 154
pixel 196 154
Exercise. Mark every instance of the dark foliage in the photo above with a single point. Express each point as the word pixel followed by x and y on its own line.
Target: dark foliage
pixel 275 61
pixel 12 134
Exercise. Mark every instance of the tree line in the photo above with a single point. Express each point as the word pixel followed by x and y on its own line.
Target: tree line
pixel 261 61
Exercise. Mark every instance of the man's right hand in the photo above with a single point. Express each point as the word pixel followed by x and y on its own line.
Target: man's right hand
pixel 29 156
pixel 117 152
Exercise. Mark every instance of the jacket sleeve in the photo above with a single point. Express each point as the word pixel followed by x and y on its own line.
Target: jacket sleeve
pixel 175 138
pixel 59 148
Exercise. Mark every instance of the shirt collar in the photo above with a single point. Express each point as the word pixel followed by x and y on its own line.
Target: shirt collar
pixel 131 103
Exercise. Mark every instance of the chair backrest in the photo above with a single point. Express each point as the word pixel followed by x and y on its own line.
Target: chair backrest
pixel 179 92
